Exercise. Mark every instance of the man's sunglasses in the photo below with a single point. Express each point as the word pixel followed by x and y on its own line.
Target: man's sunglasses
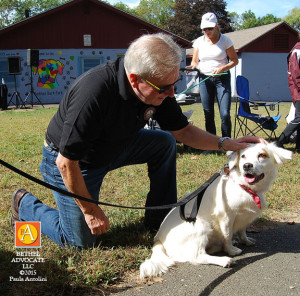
pixel 164 88
pixel 207 29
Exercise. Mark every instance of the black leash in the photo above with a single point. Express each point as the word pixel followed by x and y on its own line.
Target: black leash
pixel 181 203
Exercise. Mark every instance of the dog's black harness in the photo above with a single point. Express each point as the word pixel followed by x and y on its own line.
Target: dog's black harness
pixel 199 195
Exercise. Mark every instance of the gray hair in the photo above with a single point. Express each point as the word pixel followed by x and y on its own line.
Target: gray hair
pixel 153 55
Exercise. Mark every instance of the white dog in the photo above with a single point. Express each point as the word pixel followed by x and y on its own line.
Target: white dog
pixel 229 204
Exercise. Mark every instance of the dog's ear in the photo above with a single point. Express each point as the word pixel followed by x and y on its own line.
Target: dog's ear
pixel 280 155
pixel 232 159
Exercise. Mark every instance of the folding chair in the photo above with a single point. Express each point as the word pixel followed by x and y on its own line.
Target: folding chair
pixel 264 123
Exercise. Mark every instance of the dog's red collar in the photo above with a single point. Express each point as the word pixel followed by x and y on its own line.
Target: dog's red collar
pixel 255 197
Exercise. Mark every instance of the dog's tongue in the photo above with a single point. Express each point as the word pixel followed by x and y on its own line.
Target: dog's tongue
pixel 250 179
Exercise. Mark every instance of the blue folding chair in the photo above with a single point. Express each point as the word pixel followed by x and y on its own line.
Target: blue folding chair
pixel 264 123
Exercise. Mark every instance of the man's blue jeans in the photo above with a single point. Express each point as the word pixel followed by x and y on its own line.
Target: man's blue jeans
pixel 218 86
pixel 66 226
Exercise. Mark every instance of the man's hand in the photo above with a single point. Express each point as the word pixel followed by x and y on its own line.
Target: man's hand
pixel 73 179
pixel 197 138
pixel 96 220
pixel 241 143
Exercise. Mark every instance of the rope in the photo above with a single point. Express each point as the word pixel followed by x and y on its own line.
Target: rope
pixel 183 201
pixel 199 83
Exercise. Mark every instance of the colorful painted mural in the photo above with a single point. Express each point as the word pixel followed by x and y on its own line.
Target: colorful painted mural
pixel 56 71
pixel 47 73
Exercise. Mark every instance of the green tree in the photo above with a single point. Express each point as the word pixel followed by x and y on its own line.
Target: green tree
pixel 124 7
pixel 268 19
pixel 156 12
pixel 235 20
pixel 12 11
pixel 248 20
pixel 293 18
pixel 188 14
pixel 6 12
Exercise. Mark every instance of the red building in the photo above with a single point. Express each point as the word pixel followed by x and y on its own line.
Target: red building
pixel 73 37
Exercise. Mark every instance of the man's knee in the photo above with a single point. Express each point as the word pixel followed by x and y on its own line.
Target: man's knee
pixel 167 143
pixel 164 150
pixel 167 138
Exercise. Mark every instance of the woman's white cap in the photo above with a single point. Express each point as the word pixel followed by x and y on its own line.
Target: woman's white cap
pixel 209 20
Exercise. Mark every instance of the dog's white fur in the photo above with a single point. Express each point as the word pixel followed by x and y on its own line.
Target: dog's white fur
pixel 225 209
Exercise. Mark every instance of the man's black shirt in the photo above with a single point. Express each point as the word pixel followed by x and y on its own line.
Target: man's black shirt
pixel 99 115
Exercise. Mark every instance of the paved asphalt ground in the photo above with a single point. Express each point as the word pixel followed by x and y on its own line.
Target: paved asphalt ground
pixel 271 267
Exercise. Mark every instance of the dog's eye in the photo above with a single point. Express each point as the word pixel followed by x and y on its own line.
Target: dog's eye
pixel 262 155
pixel 243 156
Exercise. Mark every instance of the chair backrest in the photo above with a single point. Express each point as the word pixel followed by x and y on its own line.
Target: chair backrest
pixel 242 88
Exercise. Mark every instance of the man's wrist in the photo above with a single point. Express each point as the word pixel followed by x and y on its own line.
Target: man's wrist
pixel 220 143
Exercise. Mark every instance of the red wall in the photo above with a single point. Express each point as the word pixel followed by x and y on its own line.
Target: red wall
pixel 64 27
pixel 266 43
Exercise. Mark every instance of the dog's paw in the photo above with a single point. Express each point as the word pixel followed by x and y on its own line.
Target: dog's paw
pixel 232 251
pixel 248 241
pixel 226 261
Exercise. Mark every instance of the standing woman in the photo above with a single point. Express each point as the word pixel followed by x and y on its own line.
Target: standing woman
pixel 210 56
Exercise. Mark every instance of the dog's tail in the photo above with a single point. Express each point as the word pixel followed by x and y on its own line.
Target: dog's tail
pixel 158 263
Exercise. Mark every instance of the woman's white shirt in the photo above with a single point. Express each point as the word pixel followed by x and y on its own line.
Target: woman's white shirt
pixel 212 56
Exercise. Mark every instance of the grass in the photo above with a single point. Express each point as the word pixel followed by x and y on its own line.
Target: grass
pixel 127 244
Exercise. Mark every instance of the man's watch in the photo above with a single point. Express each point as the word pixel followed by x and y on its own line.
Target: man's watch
pixel 221 143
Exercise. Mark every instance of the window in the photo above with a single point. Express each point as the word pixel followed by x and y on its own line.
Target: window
pixel 281 41
pixel 88 63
